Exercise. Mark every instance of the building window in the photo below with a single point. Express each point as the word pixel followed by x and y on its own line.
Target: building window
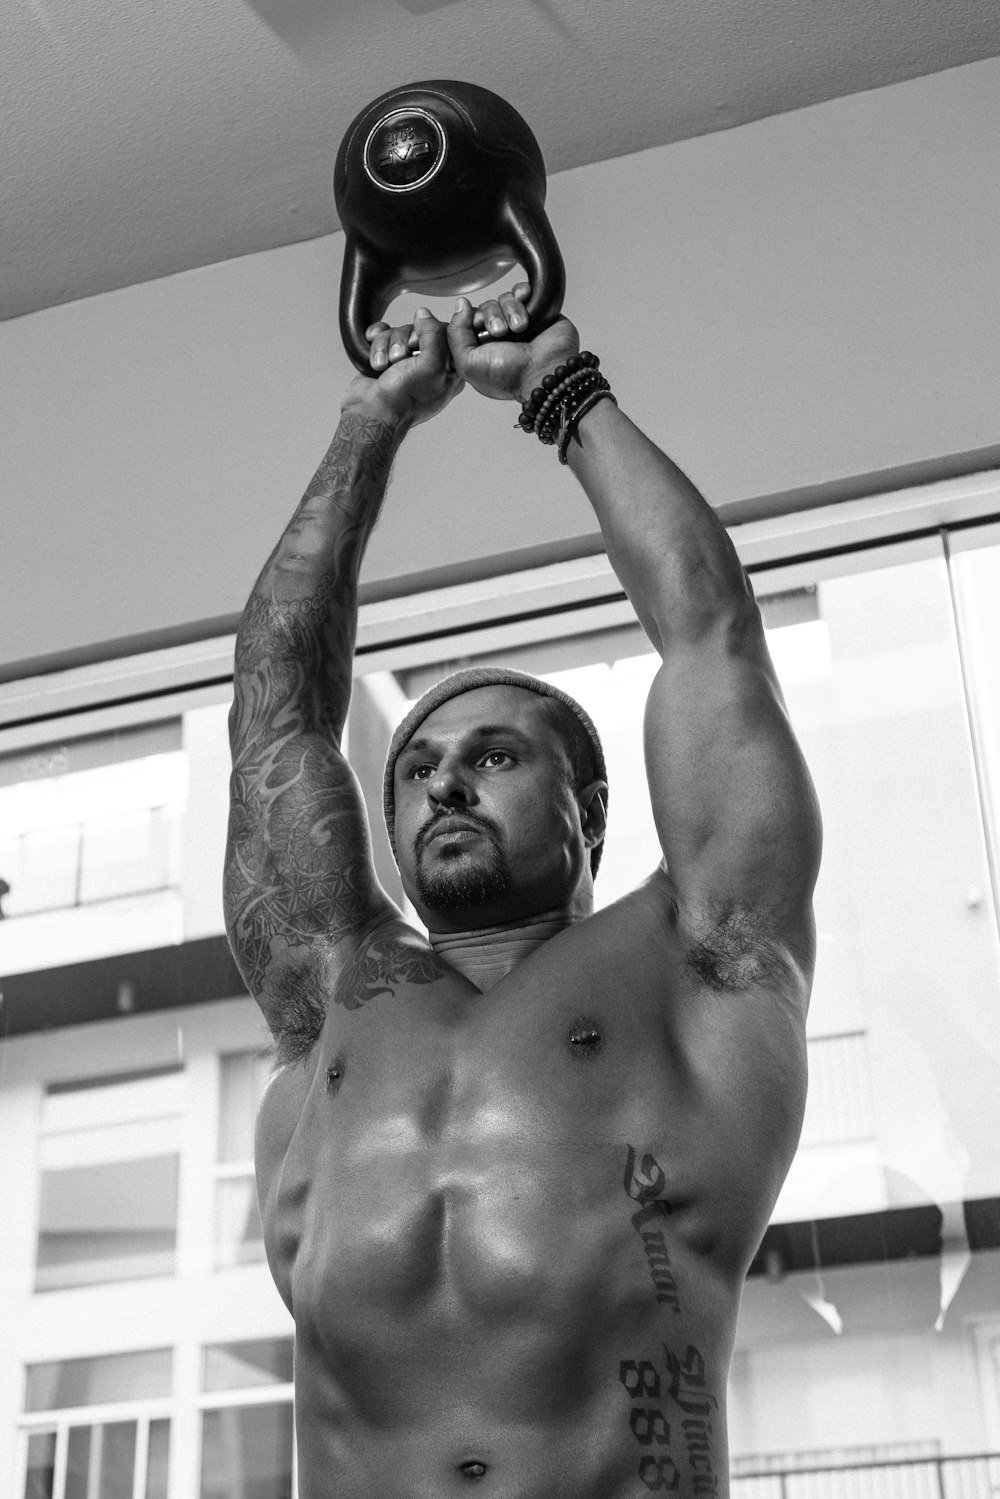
pixel 92 821
pixel 239 1235
pixel 247 1429
pixel 109 1158
pixel 98 1428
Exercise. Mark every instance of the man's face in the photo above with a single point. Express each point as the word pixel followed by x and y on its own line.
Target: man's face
pixel 488 827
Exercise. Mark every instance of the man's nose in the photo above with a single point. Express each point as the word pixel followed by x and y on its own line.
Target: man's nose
pixel 449 786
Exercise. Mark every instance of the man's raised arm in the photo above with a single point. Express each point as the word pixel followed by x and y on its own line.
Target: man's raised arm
pixel 732 799
pixel 733 802
pixel 299 878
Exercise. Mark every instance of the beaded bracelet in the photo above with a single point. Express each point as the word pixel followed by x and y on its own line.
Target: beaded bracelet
pixel 551 384
pixel 554 408
pixel 572 390
pixel 572 419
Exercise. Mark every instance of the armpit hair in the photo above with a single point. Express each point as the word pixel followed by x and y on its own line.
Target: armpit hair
pixel 296 1010
pixel 733 951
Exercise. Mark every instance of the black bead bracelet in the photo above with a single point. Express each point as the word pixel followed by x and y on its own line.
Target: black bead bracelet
pixel 564 396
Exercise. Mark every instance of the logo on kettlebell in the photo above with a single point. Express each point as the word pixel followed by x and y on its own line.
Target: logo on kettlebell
pixel 405 150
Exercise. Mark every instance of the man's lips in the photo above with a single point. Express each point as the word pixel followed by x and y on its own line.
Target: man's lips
pixel 446 827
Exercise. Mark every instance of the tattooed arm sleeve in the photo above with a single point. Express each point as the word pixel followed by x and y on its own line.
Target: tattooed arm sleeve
pixel 299 878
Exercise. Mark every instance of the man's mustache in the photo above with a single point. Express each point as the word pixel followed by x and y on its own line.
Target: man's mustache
pixel 430 827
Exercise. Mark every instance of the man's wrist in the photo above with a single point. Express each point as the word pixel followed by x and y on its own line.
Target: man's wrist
pixel 372 404
pixel 535 379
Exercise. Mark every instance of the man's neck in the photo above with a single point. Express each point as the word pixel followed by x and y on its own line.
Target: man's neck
pixel 487 954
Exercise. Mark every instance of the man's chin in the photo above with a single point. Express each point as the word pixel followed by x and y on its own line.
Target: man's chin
pixel 460 882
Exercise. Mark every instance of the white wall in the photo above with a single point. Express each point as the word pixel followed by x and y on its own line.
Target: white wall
pixel 792 303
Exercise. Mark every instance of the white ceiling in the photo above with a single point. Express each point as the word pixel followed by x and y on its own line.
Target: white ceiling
pixel 140 139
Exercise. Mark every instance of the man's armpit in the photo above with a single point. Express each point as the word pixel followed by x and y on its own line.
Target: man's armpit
pixel 733 950
pixel 295 1003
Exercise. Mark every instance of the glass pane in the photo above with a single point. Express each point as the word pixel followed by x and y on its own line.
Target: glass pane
pixel 856 1331
pixel 41 1465
pixel 78 1453
pixel 239 1233
pixel 242 1077
pixel 246 1453
pixel 47 873
pixel 74 1382
pixel 238 1366
pixel 114 1221
pixel 117 1465
pixel 125 854
pixel 10 868
pixel 157 1462
pixel 100 822
pixel 902 1026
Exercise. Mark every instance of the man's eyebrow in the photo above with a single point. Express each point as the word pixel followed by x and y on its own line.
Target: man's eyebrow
pixel 481 731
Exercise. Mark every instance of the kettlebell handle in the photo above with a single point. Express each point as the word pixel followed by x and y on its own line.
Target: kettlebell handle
pixel 366 290
pixel 365 293
pixel 538 252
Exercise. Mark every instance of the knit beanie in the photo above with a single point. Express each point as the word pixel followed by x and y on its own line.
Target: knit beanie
pixel 467 681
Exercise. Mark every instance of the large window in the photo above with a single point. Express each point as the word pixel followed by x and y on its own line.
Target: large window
pixel 867 1359
pixel 109 1179
pixel 246 1424
pixel 98 1428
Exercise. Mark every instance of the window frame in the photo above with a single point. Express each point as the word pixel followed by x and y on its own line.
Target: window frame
pixel 534 603
pixel 63 1420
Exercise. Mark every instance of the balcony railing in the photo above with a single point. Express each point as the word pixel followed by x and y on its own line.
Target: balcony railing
pixel 974 1476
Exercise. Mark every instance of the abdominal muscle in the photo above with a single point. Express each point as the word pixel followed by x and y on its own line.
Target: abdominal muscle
pixel 484 1297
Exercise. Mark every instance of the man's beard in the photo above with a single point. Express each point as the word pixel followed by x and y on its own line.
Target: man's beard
pixel 464 881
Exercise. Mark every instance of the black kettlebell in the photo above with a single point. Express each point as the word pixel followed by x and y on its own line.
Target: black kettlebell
pixel 440 188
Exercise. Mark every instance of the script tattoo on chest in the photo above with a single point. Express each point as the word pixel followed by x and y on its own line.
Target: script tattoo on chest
pixel 672 1412
pixel 644 1184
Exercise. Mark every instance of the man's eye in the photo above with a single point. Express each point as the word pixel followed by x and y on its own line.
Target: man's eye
pixel 496 757
pixel 421 772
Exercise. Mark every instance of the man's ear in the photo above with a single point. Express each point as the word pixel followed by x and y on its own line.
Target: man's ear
pixel 593 801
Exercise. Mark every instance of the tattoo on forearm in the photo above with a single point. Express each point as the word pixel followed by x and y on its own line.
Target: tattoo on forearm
pixel 645 1186
pixel 298 865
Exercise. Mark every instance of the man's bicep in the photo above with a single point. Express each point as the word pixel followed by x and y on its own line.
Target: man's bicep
pixel 732 798
pixel 299 868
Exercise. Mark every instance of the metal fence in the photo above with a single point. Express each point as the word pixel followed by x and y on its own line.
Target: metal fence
pixel 975 1476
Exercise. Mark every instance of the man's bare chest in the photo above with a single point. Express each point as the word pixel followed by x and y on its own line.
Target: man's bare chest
pixel 445 1131
pixel 573 1045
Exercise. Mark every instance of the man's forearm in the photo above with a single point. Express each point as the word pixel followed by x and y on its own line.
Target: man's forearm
pixel 302 613
pixel 666 544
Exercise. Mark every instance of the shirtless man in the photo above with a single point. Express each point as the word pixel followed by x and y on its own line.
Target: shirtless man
pixel 512 1177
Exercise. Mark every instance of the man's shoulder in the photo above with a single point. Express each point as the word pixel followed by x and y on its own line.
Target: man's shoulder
pixel 725 948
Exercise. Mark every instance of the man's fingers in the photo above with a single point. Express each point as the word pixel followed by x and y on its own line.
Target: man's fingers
pixel 430 336
pixel 512 308
pixel 389 345
pixel 378 352
pixel 493 319
pixel 462 337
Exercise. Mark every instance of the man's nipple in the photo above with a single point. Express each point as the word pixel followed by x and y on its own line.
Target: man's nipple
pixel 585 1037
